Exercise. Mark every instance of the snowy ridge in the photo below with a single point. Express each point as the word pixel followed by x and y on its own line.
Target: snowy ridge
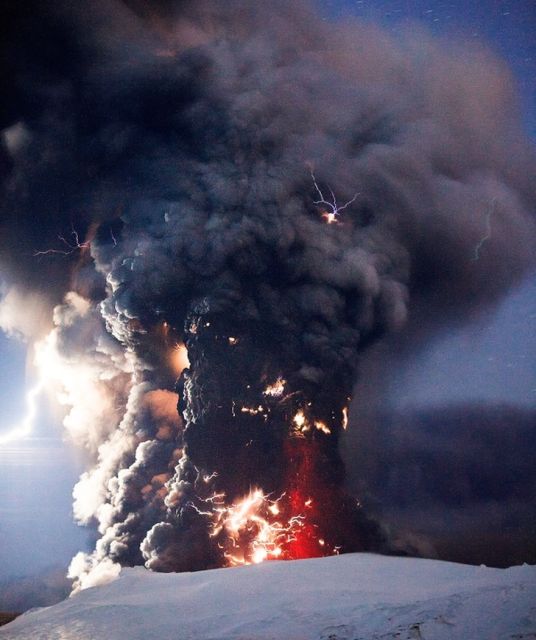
pixel 348 597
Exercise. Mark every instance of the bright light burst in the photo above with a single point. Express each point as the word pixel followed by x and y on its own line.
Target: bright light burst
pixel 276 389
pixel 26 425
pixel 255 531
pixel 301 425
pixel 48 368
pixel 77 385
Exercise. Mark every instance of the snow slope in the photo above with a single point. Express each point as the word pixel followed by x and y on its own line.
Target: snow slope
pixel 348 597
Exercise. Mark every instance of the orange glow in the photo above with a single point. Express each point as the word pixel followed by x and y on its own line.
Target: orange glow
pixel 162 405
pixel 329 217
pixel 179 359
pixel 160 478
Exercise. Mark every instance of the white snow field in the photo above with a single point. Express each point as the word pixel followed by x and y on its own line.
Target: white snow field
pixel 347 597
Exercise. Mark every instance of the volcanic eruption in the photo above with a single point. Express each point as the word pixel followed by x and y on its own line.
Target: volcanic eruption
pixel 191 148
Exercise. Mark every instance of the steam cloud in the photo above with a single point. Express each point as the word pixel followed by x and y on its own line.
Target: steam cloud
pixel 173 147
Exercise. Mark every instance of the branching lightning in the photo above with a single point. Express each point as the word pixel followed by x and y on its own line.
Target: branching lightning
pixel 253 528
pixel 331 216
pixel 71 245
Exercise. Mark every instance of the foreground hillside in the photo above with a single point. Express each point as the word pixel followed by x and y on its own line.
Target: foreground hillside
pixel 349 597
pixel 7 617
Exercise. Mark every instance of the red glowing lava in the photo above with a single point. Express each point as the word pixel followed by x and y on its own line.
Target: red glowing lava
pixel 305 495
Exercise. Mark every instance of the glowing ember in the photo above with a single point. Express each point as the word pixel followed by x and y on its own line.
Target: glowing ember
pixel 345 418
pixel 253 411
pixel 329 217
pixel 302 425
pixel 322 426
pixel 300 421
pixel 276 389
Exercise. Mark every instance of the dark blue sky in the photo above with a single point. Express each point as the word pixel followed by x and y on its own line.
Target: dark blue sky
pixel 493 360
pixel 36 529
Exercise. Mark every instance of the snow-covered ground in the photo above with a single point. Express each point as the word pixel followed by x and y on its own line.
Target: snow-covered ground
pixel 348 597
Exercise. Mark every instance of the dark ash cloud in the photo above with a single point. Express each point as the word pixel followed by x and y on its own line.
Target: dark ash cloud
pixel 454 482
pixel 18 594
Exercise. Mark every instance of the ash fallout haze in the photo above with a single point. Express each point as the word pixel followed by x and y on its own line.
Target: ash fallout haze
pixel 213 216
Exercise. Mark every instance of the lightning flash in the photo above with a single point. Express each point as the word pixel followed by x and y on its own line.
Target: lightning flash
pixel 26 425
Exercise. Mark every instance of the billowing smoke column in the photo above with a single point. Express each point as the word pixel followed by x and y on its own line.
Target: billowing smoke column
pixel 270 191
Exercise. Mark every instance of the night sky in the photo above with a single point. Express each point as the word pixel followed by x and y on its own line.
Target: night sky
pixel 489 361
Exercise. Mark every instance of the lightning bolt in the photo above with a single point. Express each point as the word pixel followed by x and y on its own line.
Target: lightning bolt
pixel 487 236
pixel 25 428
pixel 332 214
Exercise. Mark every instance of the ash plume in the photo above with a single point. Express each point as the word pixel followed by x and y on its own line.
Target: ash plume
pixel 454 482
pixel 185 144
